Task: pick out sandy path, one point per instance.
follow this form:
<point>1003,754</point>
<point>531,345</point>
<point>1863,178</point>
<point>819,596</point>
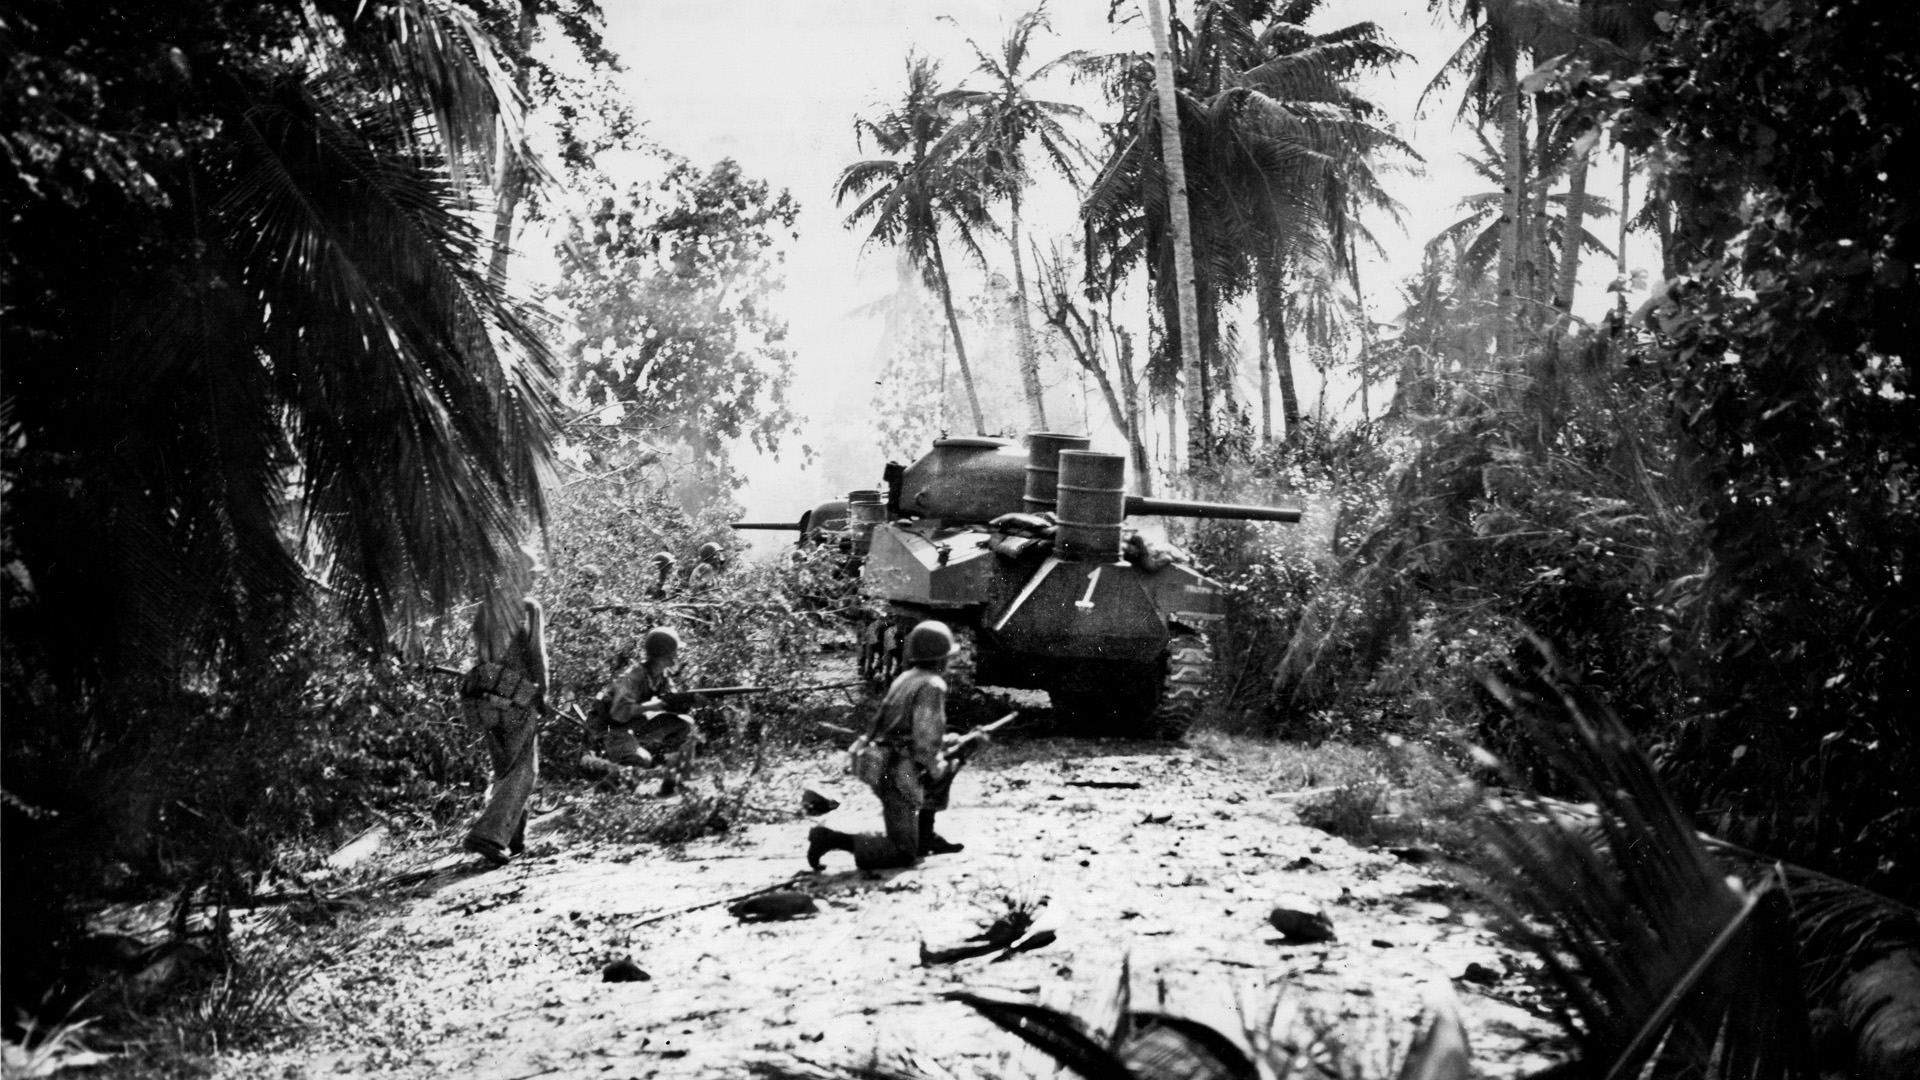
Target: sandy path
<point>499,974</point>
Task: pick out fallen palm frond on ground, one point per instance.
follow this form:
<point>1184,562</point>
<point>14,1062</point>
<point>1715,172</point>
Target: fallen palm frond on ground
<point>1681,955</point>
<point>1676,954</point>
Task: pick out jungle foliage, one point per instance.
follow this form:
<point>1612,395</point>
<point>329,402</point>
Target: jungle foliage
<point>1708,505</point>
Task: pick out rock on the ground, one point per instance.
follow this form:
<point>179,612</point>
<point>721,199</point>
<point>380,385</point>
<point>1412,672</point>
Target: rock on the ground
<point>1301,922</point>
<point>624,970</point>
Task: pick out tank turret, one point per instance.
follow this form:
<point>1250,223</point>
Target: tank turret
<point>824,524</point>
<point>1027,555</point>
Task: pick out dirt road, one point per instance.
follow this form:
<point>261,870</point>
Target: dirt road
<point>500,974</point>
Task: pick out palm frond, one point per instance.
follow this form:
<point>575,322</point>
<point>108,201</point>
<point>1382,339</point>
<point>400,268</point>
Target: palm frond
<point>1667,966</point>
<point>408,374</point>
<point>1060,1036</point>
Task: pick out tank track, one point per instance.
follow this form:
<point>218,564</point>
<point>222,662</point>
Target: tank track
<point>1185,690</point>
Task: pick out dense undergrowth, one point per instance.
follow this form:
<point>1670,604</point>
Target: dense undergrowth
<point>242,778</point>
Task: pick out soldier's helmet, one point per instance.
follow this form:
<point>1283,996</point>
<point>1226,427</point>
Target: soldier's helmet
<point>661,558</point>
<point>930,640</point>
<point>660,642</point>
<point>709,552</point>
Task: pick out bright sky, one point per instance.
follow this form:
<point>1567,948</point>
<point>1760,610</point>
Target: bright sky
<point>775,84</point>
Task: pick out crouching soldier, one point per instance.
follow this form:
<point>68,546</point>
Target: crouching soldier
<point>645,720</point>
<point>909,767</point>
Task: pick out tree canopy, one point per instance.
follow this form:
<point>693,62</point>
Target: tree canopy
<point>670,285</point>
<point>252,350</point>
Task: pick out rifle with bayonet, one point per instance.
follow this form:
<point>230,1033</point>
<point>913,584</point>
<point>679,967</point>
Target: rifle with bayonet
<point>966,745</point>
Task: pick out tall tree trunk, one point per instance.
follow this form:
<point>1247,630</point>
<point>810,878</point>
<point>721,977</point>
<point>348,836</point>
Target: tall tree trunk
<point>1539,275</point>
<point>1620,249</point>
<point>1173,159</point>
<point>959,347</point>
<point>1273,319</point>
<point>1266,377</point>
<point>513,181</point>
<point>1366,323</point>
<point>1023,331</point>
<point>1510,206</point>
<point>1574,227</point>
<point>1130,393</point>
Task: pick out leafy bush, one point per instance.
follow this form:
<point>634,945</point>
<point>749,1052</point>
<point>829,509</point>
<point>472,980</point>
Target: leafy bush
<point>1547,497</point>
<point>758,624</point>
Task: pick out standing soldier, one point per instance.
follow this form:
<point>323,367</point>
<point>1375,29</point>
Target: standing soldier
<point>502,696</point>
<point>910,736</point>
<point>644,717</point>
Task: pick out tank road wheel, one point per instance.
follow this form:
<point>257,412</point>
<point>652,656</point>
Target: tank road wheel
<point>1184,691</point>
<point>962,665</point>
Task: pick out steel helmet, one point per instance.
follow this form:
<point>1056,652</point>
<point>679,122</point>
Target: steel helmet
<point>709,552</point>
<point>661,558</point>
<point>660,642</point>
<point>930,640</point>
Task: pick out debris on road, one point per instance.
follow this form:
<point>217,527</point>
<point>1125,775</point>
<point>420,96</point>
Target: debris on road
<point>774,907</point>
<point>624,970</point>
<point>815,802</point>
<point>1300,923</point>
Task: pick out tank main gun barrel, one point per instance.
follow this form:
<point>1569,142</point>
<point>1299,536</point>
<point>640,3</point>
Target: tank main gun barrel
<point>769,526</point>
<point>1140,504</point>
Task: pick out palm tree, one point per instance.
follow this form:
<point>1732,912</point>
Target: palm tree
<point>918,190</point>
<point>1277,150</point>
<point>1502,31</point>
<point>998,125</point>
<point>1180,223</point>
<point>301,377</point>
<point>1480,234</point>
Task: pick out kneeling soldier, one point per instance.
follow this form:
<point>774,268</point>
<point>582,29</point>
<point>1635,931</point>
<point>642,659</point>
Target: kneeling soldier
<point>910,733</point>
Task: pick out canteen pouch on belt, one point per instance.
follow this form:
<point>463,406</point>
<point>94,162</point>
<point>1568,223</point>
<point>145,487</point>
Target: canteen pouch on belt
<point>867,761</point>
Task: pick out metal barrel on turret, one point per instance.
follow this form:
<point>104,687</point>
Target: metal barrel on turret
<point>1092,500</point>
<point>1043,469</point>
<point>866,509</point>
<point>1137,505</point>
<point>768,526</point>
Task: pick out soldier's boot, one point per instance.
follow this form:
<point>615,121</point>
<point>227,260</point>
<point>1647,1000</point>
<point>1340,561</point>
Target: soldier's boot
<point>821,840</point>
<point>486,849</point>
<point>679,767</point>
<point>932,843</point>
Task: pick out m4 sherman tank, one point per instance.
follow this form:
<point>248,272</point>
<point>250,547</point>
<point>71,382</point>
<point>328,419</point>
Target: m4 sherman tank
<point>824,524</point>
<point>1025,554</point>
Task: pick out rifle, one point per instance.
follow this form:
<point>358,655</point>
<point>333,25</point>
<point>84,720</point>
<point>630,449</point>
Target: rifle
<point>715,692</point>
<point>970,743</point>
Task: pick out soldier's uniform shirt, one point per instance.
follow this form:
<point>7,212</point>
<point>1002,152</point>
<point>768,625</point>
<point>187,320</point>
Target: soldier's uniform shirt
<point>629,730</point>
<point>628,690</point>
<point>912,725</point>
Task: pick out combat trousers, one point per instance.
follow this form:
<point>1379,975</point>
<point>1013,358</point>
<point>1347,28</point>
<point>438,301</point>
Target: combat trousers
<point>903,794</point>
<point>653,738</point>
<point>512,736</point>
